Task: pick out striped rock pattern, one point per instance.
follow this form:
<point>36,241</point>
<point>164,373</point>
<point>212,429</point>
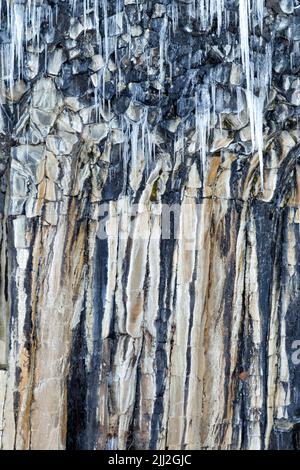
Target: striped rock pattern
<point>119,330</point>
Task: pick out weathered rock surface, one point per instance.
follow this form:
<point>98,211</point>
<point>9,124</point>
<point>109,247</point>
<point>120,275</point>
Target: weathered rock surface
<point>116,330</point>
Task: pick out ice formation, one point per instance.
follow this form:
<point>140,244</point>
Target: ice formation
<point>23,28</point>
<point>23,31</point>
<point>203,107</point>
<point>253,66</point>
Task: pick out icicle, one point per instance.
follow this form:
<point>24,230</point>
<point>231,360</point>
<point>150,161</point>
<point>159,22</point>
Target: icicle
<point>96,19</point>
<point>84,15</point>
<point>17,15</point>
<point>258,112</point>
<point>38,26</point>
<point>74,5</point>
<point>46,56</point>
<point>216,8</point>
<point>244,37</point>
<point>255,104</point>
<point>144,128</point>
<point>150,147</point>
<point>1,120</point>
<point>8,16</point>
<point>105,21</point>
<point>134,143</point>
<point>220,9</point>
<point>207,10</point>
<point>125,152</point>
<point>118,6</point>
<point>203,104</point>
<point>174,16</point>
<point>162,36</point>
<point>213,99</point>
<point>258,10</point>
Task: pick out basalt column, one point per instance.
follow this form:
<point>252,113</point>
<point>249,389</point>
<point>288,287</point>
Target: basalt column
<point>149,224</point>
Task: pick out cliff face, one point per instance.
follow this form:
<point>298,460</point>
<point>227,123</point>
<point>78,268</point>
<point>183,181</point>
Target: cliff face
<point>150,262</point>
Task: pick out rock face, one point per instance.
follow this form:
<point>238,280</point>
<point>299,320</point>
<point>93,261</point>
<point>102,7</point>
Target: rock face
<point>150,224</point>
